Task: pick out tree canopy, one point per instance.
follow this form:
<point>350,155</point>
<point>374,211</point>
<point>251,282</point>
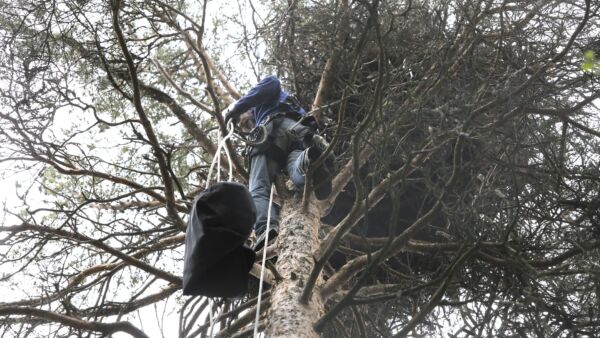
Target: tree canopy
<point>466,135</point>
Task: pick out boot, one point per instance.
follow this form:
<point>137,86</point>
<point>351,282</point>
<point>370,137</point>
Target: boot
<point>318,141</point>
<point>260,240</point>
<point>321,176</point>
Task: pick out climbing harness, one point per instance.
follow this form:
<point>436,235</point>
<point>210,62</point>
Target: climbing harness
<point>260,134</point>
<point>257,136</point>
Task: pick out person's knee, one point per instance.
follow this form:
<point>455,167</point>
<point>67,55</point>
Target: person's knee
<point>259,190</point>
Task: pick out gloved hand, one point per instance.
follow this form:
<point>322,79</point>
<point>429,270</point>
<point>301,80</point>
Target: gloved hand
<point>230,114</point>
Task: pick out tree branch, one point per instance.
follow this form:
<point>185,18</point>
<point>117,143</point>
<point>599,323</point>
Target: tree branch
<point>105,328</point>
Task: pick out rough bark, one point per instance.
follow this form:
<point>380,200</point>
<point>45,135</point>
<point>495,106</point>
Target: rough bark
<point>298,238</point>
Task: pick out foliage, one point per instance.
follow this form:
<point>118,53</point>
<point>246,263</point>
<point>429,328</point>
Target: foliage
<point>465,133</point>
<point>590,64</point>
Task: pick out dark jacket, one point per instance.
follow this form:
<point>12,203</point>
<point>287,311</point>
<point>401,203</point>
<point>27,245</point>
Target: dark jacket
<point>264,99</point>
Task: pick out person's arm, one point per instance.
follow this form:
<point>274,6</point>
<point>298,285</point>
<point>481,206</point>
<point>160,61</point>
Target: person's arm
<point>267,90</point>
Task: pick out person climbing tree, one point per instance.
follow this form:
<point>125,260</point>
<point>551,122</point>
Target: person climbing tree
<point>288,146</point>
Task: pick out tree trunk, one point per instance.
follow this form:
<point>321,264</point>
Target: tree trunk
<point>298,238</point>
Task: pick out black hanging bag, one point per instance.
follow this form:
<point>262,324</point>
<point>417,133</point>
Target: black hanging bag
<point>216,261</point>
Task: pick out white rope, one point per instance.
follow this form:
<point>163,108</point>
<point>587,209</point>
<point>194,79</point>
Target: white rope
<point>264,260</point>
<point>228,155</point>
<point>212,319</point>
<point>218,155</point>
<point>217,158</point>
<point>222,143</point>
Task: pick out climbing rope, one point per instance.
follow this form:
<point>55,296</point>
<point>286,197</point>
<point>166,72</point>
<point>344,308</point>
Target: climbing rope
<point>222,143</point>
<point>211,317</point>
<point>264,260</point>
<point>217,158</point>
